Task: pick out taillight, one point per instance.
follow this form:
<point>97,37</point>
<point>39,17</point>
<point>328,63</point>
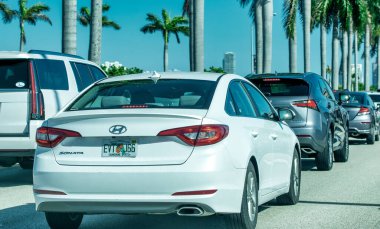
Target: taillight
<point>198,135</point>
<point>363,111</point>
<point>306,103</point>
<point>37,111</point>
<point>51,137</point>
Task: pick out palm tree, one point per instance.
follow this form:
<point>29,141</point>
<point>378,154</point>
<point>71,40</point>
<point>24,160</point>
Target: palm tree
<point>28,15</point>
<point>84,19</point>
<point>289,22</point>
<point>69,26</point>
<point>6,13</point>
<point>94,53</point>
<point>306,11</point>
<point>177,25</point>
<point>262,25</point>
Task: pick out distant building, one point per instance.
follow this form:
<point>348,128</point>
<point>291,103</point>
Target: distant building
<point>229,63</point>
<point>375,77</point>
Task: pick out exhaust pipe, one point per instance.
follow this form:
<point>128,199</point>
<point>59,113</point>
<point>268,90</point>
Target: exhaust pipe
<point>190,211</point>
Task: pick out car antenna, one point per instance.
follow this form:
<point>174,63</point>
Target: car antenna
<point>155,77</point>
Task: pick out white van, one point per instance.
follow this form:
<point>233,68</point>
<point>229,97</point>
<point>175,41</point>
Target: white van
<point>34,86</point>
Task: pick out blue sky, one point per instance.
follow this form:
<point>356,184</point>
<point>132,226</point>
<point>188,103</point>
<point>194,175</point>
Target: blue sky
<point>227,29</point>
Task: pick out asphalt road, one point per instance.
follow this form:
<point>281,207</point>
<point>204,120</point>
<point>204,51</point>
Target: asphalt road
<point>346,197</point>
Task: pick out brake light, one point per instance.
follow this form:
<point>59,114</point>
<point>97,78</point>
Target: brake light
<point>271,80</point>
<point>198,135</point>
<point>38,110</point>
<point>51,137</point>
<point>306,103</point>
<point>363,111</point>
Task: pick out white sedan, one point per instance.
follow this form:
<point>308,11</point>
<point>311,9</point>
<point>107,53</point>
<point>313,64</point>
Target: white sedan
<point>193,144</point>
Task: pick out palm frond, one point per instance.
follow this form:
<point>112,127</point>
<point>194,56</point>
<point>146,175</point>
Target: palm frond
<point>105,7</point>
<point>290,16</point>
<point>186,8</point>
<point>7,13</point>
<point>108,23</point>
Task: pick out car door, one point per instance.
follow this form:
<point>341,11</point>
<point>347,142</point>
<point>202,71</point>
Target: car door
<point>281,152</point>
<point>253,132</point>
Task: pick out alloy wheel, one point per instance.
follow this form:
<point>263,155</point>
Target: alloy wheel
<point>251,197</point>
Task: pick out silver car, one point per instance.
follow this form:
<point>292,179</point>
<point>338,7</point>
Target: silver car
<point>363,116</point>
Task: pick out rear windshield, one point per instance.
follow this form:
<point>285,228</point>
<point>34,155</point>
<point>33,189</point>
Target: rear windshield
<point>14,74</point>
<point>129,94</point>
<point>355,99</point>
<point>282,87</point>
<point>375,98</point>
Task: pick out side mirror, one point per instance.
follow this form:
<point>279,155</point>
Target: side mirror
<point>378,107</point>
<point>286,114</point>
<point>344,98</point>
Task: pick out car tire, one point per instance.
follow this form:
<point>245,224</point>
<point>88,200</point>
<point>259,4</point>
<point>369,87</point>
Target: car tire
<point>371,137</point>
<point>324,158</point>
<point>63,220</point>
<point>26,163</point>
<point>247,218</point>
<point>377,135</point>
<point>293,196</point>
<point>342,154</point>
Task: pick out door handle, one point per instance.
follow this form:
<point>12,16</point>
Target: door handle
<point>254,134</point>
<point>274,137</point>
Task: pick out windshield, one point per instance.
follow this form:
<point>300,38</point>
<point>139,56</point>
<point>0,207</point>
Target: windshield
<point>282,87</point>
<point>129,94</point>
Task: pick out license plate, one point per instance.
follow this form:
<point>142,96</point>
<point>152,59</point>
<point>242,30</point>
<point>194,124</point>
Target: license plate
<point>120,149</point>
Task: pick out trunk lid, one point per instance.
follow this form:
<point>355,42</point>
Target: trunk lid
<point>14,97</point>
<point>352,109</point>
<point>140,138</point>
<point>283,93</point>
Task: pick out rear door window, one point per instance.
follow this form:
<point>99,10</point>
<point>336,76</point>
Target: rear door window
<point>375,98</point>
<point>282,87</point>
<point>97,73</point>
<point>14,74</point>
<point>83,75</point>
<point>262,105</point>
<point>52,74</point>
<point>243,105</point>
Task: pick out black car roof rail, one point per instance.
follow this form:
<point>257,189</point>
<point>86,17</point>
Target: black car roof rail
<point>43,52</point>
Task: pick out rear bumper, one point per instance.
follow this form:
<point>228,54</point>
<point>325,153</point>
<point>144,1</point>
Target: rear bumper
<point>20,146</point>
<point>360,128</point>
<point>308,139</point>
<point>139,189</point>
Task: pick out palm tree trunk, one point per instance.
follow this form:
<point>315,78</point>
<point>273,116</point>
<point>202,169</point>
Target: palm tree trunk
<point>378,62</point>
<point>356,61</point>
<point>367,58</point>
<point>335,55</point>
<point>344,59</point>
<point>166,55</point>
<point>306,34</point>
<point>323,51</point>
<point>191,38</point>
<point>69,26</point>
<point>349,58</point>
<point>259,37</point>
<point>268,23</point>
<point>96,31</point>
<point>22,35</point>
<point>198,35</point>
<point>293,51</point>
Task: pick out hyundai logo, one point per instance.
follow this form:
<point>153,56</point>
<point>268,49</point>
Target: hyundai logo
<point>118,129</point>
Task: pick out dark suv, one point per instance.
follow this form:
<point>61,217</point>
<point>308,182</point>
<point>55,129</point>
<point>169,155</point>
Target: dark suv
<point>320,123</point>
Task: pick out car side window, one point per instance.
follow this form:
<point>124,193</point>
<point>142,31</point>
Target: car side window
<point>323,88</point>
<point>97,73</point>
<point>229,107</point>
<point>329,91</point>
<point>239,97</point>
<point>82,75</point>
<point>264,108</point>
<point>52,74</point>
